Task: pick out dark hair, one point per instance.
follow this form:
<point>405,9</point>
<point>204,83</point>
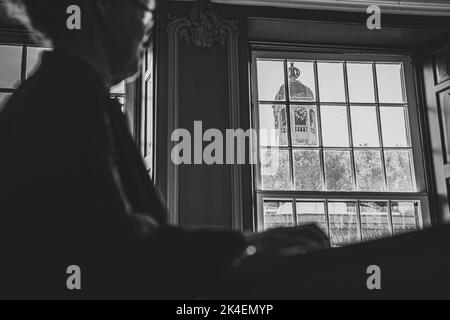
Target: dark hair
<point>48,16</point>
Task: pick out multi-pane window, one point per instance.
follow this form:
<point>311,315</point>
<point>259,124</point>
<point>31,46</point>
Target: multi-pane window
<point>17,63</point>
<point>335,145</point>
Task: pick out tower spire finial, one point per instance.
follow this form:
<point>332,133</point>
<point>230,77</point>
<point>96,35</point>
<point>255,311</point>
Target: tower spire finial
<point>294,73</point>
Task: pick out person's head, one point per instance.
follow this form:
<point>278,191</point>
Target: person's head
<point>120,28</point>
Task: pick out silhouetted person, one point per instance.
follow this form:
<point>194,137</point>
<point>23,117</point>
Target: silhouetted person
<point>73,186</point>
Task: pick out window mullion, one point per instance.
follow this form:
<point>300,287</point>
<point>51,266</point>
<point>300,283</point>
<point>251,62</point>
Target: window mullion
<point>391,218</point>
<point>23,71</point>
<point>380,131</point>
<point>327,219</point>
<point>358,219</point>
<point>349,123</point>
<point>319,126</point>
<point>294,211</point>
<point>288,118</point>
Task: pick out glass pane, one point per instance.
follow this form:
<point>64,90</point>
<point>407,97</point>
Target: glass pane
<point>343,223</point>
<point>360,83</point>
<point>275,169</point>
<point>374,220</point>
<point>149,59</point>
<point>405,216</point>
<point>34,59</point>
<point>304,126</point>
<point>334,126</point>
<point>273,125</point>
<point>3,99</point>
<point>391,87</point>
<point>338,172</point>
<point>312,213</point>
<point>302,84</point>
<point>307,170</point>
<point>149,124</point>
<point>399,171</point>
<point>10,66</point>
<point>119,88</point>
<point>278,214</point>
<point>369,171</point>
<point>331,82</point>
<point>365,127</point>
<point>393,126</point>
<point>271,80</point>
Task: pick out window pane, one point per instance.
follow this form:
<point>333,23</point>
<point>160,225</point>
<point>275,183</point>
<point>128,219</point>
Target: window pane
<point>119,88</point>
<point>271,81</point>
<point>404,216</point>
<point>275,169</point>
<point>369,171</point>
<point>365,127</point>
<point>360,83</point>
<point>3,99</point>
<point>374,220</point>
<point>312,213</point>
<point>391,88</point>
<point>334,126</point>
<point>331,82</point>
<point>302,84</point>
<point>278,214</point>
<point>304,126</point>
<point>10,66</point>
<point>34,59</point>
<point>343,223</point>
<point>273,125</point>
<point>307,170</point>
<point>338,172</point>
<point>399,171</point>
<point>393,125</point>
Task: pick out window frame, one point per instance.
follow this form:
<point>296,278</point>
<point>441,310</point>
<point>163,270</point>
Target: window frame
<point>147,111</point>
<point>23,62</point>
<point>414,121</point>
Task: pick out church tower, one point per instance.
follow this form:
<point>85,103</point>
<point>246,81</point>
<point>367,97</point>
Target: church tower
<point>303,116</point>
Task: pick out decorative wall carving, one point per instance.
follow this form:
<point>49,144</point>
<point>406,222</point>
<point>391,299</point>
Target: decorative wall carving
<point>205,28</point>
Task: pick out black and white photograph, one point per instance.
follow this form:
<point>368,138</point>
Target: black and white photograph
<point>232,157</point>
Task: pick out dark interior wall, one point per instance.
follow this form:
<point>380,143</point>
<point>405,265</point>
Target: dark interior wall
<point>11,29</point>
<point>205,198</point>
<point>205,192</point>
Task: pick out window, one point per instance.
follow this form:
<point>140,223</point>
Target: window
<point>335,145</point>
<point>17,63</point>
<point>148,111</point>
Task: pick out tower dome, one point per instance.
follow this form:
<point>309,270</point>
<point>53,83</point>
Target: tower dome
<point>297,90</point>
<point>303,117</point>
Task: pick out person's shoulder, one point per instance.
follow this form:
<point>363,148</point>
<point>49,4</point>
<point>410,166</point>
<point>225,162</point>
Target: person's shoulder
<point>45,97</point>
